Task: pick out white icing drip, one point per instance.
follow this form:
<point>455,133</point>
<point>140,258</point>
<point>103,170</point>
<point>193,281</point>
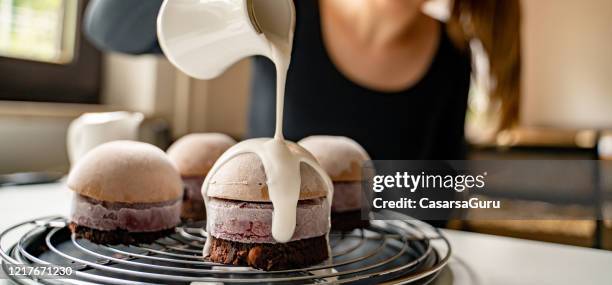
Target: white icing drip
<point>281,166</point>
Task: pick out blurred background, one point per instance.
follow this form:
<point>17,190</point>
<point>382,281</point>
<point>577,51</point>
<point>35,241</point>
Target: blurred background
<point>50,74</point>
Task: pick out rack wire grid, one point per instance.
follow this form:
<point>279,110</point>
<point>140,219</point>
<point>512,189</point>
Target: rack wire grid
<point>387,252</point>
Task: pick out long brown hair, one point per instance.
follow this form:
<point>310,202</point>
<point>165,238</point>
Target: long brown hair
<point>496,24</point>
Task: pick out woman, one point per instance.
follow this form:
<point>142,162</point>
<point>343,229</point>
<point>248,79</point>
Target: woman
<point>378,71</point>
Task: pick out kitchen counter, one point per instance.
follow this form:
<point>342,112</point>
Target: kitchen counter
<point>477,258</point>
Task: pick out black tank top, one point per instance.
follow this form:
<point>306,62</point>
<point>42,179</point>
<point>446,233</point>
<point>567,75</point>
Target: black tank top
<point>425,121</point>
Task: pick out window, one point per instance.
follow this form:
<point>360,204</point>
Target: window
<point>43,55</point>
<point>40,30</point>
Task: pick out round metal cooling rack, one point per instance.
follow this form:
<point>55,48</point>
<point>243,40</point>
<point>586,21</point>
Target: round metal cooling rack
<point>388,252</point>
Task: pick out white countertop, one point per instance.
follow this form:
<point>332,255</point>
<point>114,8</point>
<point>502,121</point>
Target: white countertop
<point>477,259</point>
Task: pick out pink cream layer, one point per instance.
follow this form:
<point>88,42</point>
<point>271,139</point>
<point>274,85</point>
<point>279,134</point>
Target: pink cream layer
<point>347,196</point>
<point>248,222</point>
<point>140,217</point>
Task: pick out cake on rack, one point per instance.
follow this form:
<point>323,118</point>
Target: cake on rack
<point>125,193</point>
<point>343,159</point>
<point>240,216</point>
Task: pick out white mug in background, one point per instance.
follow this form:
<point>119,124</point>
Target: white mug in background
<point>604,146</point>
<point>203,37</point>
<point>93,129</point>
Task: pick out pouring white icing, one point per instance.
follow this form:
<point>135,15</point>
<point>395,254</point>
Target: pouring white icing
<point>281,165</point>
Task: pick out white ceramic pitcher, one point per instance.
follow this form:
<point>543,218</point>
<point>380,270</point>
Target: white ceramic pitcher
<point>204,37</point>
<point>93,129</point>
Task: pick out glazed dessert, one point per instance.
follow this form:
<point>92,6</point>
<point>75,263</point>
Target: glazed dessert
<point>193,156</point>
<point>342,158</point>
<point>241,214</point>
<point>125,193</point>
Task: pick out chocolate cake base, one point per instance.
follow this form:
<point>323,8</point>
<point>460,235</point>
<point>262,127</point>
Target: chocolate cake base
<point>347,221</point>
<point>193,204</point>
<point>117,236</point>
<point>193,211</point>
<point>278,256</point>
